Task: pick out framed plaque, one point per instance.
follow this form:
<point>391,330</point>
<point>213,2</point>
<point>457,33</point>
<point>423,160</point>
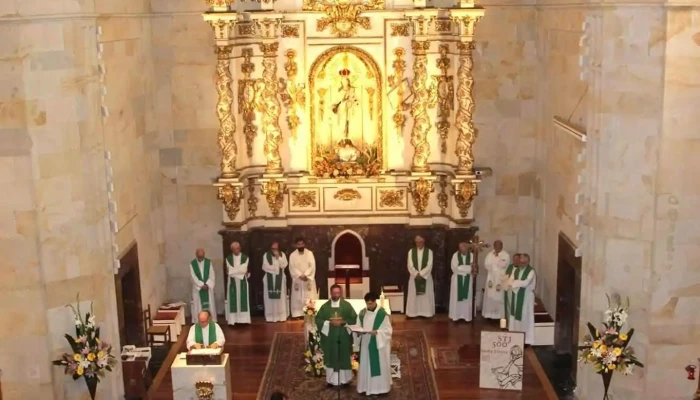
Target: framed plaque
<point>501,360</point>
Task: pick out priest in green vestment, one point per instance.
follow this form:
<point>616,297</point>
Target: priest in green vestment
<point>202,274</point>
<point>332,321</point>
<point>374,374</point>
<point>237,298</point>
<point>275,285</point>
<point>462,284</point>
<point>205,334</point>
<point>421,294</point>
<point>522,280</point>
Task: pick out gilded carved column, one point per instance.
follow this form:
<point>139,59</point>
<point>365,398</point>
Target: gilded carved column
<point>466,133</point>
<point>425,97</point>
<point>270,107</point>
<point>227,127</point>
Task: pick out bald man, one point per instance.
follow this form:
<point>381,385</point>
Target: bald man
<point>202,274</point>
<point>205,333</point>
<point>496,263</point>
<point>421,294</point>
<point>238,309</point>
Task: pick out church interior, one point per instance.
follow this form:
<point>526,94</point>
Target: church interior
<point>135,132</point>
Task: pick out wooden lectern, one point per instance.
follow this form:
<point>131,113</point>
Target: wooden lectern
<point>347,269</point>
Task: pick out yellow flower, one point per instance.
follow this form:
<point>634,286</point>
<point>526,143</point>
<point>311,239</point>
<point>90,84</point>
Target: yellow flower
<point>79,371</point>
<point>596,344</point>
<point>308,353</point>
<point>603,348</point>
<point>101,354</point>
<point>77,357</point>
<point>617,351</point>
<point>591,357</point>
<point>623,336</point>
<point>91,357</point>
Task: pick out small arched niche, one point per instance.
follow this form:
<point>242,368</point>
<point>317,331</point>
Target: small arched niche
<point>348,248</point>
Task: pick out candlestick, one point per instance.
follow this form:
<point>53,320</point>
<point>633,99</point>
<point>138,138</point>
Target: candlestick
<point>504,325</point>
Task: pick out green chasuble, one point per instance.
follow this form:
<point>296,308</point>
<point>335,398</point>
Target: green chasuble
<point>203,277</point>
<point>374,365</point>
<point>517,298</point>
<point>463,280</point>
<point>233,296</point>
<point>274,282</point>
<point>199,338</point>
<point>336,355</point>
<point>420,282</point>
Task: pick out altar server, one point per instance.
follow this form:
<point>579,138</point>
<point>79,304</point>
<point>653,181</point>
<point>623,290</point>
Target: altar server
<point>205,334</point>
<point>461,293</point>
<point>496,263</point>
<point>238,310</point>
<point>332,321</point>
<point>302,267</point>
<point>521,285</point>
<point>202,274</point>
<point>421,295</point>
<point>275,285</point>
<point>374,374</point>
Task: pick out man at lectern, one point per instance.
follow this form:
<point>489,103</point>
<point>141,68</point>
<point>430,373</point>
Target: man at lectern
<point>206,334</point>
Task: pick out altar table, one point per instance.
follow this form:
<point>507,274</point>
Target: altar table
<point>185,377</point>
<point>357,304</point>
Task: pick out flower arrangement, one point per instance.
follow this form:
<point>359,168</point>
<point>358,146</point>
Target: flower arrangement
<point>355,362</point>
<point>609,350</point>
<point>91,357</point>
<point>313,357</point>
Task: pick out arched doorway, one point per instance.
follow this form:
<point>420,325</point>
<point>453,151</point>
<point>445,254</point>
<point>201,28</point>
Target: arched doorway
<point>349,264</point>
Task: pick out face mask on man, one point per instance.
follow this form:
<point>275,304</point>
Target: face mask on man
<point>301,249</point>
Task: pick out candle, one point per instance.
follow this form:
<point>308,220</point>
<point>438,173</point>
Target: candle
<point>503,323</point>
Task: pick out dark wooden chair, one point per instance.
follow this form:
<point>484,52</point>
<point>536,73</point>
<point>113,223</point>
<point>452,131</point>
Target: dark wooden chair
<point>155,334</point>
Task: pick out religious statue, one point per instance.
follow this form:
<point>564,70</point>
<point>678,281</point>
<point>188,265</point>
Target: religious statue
<point>346,151</point>
<point>347,109</point>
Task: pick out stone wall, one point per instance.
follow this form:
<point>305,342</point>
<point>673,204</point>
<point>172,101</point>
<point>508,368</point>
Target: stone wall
<point>54,220</point>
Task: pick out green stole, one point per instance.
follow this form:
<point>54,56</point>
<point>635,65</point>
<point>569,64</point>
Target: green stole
<point>374,365</point>
<point>463,280</point>
<point>199,338</point>
<point>232,295</point>
<point>517,300</point>
<point>274,282</point>
<point>337,345</point>
<point>420,282</point>
<point>203,293</point>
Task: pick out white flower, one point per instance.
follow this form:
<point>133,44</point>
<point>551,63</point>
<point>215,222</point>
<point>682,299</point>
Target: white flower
<point>78,322</point>
<point>91,321</point>
<point>596,352</point>
<point>621,317</point>
<point>610,358</point>
<point>84,363</point>
<point>628,369</point>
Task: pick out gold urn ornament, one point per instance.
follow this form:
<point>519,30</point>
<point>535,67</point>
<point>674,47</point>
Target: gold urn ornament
<point>205,390</point>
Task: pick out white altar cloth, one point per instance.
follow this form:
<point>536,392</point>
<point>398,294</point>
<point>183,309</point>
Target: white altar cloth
<point>185,377</point>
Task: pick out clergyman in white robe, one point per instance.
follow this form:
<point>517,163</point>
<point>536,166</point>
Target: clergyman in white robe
<point>238,296</point>
<point>204,274</point>
<point>420,304</point>
<point>302,264</point>
<point>205,333</point>
<point>275,285</point>
<point>496,263</point>
<point>521,296</point>
<point>374,380</point>
<point>461,286</point>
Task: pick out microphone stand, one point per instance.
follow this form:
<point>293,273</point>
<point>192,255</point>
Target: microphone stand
<point>338,367</point>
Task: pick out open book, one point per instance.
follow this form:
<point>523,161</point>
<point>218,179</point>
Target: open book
<point>206,352</point>
<point>358,329</point>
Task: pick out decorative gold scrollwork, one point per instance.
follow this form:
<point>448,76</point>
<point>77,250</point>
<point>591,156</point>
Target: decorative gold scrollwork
<point>442,197</point>
<point>246,100</point>
<point>425,97</point>
<point>399,29</point>
<point>293,95</point>
<point>290,31</point>
<point>347,195</point>
<point>205,390</point>
<point>273,191</point>
<point>420,191</point>
<point>227,128</point>
<point>304,198</point>
<point>391,198</point>
<point>446,96</point>
<point>396,82</point>
<point>342,16</point>
<point>268,105</point>
<point>466,132</point>
<point>252,199</point>
<point>231,197</point>
<point>464,195</point>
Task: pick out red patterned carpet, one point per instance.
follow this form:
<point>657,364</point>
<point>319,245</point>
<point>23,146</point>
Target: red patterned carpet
<point>285,371</point>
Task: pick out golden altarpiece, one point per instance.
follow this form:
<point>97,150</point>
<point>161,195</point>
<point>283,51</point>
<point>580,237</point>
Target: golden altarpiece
<point>345,112</point>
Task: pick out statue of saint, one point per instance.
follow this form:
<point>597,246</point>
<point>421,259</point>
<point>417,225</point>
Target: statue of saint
<point>346,151</point>
<point>347,111</point>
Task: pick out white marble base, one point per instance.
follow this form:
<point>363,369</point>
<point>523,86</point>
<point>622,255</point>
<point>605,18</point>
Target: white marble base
<point>186,376</point>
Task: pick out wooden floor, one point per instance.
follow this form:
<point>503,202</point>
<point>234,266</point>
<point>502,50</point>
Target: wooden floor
<point>249,347</point>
